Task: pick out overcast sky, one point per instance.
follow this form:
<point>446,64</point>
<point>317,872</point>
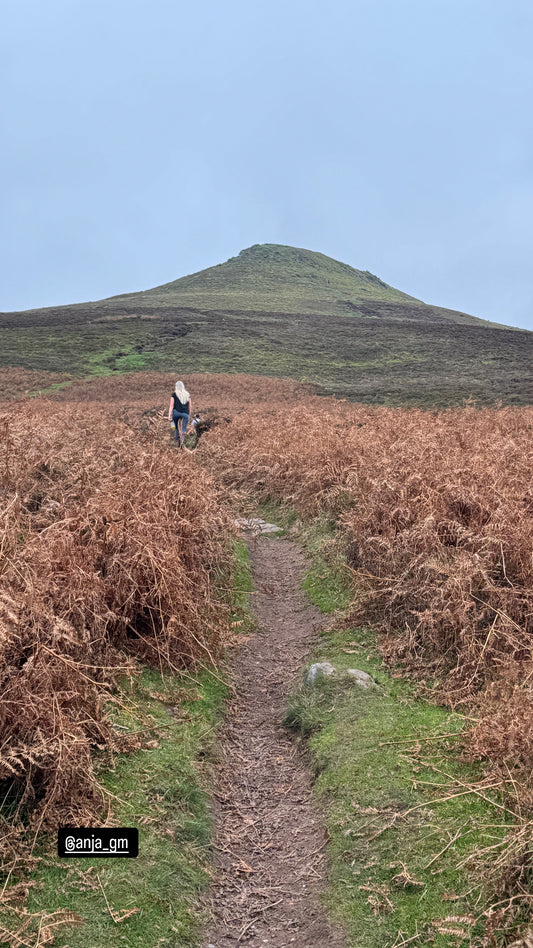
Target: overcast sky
<point>147,139</point>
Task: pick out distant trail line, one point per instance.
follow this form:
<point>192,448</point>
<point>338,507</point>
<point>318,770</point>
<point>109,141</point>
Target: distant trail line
<point>270,860</point>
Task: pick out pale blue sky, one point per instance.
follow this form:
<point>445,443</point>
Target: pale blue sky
<point>147,139</point>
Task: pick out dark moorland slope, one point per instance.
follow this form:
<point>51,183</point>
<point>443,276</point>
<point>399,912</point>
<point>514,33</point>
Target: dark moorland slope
<point>285,312</point>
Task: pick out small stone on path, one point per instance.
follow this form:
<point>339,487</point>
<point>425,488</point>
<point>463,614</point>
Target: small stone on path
<point>327,670</point>
<point>257,525</point>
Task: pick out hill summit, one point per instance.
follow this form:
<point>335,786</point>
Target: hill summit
<point>274,278</point>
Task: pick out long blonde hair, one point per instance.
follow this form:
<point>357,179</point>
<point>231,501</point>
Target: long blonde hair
<point>182,393</point>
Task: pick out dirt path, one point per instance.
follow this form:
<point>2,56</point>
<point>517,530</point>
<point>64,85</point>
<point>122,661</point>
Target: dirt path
<point>270,845</point>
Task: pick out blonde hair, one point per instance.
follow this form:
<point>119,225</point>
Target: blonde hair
<point>182,393</point>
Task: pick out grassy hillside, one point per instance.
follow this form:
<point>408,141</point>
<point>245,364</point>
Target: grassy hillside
<point>283,312</point>
<point>274,278</point>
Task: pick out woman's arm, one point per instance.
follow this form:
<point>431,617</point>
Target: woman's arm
<point>170,410</point>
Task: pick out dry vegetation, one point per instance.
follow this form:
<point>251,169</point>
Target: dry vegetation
<point>225,394</point>
<point>19,382</point>
<point>436,516</point>
<point>111,545</point>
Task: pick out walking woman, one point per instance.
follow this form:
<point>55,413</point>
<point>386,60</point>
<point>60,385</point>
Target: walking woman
<point>179,410</point>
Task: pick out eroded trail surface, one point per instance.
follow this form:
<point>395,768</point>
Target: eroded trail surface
<point>270,845</point>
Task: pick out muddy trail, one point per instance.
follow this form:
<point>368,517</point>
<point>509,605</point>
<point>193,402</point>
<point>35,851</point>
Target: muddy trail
<point>270,862</point>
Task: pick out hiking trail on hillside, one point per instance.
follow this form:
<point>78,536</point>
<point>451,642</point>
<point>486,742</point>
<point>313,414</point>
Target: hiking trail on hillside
<point>270,845</point>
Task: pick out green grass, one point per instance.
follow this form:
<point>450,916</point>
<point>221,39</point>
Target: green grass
<point>73,343</point>
<point>124,359</point>
<point>379,772</point>
<point>50,389</point>
<point>241,615</point>
<point>326,579</point>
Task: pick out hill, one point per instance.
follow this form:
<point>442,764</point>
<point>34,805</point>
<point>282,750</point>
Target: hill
<point>272,278</point>
<point>286,312</point>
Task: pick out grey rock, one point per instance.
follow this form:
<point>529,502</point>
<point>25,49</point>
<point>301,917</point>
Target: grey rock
<point>270,528</point>
<point>361,678</point>
<point>257,525</point>
<point>324,669</point>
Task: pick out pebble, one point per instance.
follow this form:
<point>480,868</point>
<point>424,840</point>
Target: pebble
<point>257,525</point>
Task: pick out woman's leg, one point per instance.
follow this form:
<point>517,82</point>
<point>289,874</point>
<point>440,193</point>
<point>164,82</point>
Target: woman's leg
<point>176,418</point>
<point>184,423</point>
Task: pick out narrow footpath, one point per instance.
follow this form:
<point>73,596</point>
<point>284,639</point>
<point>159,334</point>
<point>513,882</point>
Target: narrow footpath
<point>270,866</point>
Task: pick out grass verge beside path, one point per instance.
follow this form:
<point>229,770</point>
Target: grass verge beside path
<point>154,900</point>
<point>382,770</point>
<point>403,863</point>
